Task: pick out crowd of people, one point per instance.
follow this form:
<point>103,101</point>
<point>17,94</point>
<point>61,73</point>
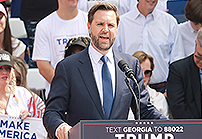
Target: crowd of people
<point>77,45</point>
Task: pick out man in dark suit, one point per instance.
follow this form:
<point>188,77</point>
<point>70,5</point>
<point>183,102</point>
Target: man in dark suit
<point>184,84</point>
<point>77,88</point>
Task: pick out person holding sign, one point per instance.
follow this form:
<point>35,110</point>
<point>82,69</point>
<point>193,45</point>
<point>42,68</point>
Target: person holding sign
<point>14,100</point>
<point>20,69</point>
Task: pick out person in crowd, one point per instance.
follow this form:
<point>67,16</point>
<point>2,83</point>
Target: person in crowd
<point>123,6</point>
<point>156,98</point>
<point>20,69</point>
<point>52,35</point>
<point>76,45</point>
<point>184,84</point>
<point>15,8</point>
<point>14,46</point>
<point>154,32</point>
<point>3,2</point>
<point>89,85</point>
<point>190,28</point>
<point>31,12</point>
<point>14,100</point>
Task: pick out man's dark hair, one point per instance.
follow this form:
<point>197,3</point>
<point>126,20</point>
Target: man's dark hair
<point>193,11</point>
<point>102,6</point>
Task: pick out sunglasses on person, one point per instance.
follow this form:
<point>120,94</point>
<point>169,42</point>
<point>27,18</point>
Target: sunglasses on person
<point>148,73</point>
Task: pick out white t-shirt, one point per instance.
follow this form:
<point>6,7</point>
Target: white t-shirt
<point>188,37</point>
<point>52,35</point>
<point>18,47</point>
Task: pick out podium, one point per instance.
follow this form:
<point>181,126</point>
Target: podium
<point>133,129</point>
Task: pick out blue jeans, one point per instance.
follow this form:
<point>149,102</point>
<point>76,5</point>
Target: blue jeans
<point>162,89</point>
<point>30,29</point>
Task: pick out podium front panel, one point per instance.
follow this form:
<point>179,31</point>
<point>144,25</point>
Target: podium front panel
<point>142,129</point>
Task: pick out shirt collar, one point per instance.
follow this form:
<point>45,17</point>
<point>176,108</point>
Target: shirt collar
<point>136,13</point>
<point>200,71</point>
<point>95,55</point>
<point>192,30</point>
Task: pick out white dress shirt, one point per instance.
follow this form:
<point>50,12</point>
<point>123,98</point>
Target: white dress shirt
<point>188,37</point>
<point>158,35</point>
<point>95,57</point>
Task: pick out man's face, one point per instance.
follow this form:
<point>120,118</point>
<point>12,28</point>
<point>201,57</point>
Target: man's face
<point>195,26</point>
<point>198,55</point>
<point>147,6</point>
<point>103,30</point>
<point>146,69</point>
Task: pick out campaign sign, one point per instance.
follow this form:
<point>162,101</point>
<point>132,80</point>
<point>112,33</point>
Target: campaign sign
<point>13,128</point>
<point>141,129</point>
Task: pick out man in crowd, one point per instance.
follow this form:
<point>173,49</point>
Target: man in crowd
<point>184,84</point>
<point>52,35</point>
<point>156,33</point>
<point>189,28</point>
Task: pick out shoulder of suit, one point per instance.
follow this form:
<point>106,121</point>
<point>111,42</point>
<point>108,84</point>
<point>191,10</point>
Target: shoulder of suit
<point>184,61</point>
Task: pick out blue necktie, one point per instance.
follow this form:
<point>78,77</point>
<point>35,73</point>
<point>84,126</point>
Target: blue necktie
<point>107,87</point>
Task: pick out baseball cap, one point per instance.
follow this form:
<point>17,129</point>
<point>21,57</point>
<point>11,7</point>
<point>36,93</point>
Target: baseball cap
<point>5,59</point>
<point>3,10</point>
<point>81,41</point>
<point>78,42</point>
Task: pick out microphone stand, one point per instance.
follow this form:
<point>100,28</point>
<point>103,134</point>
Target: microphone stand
<point>137,104</point>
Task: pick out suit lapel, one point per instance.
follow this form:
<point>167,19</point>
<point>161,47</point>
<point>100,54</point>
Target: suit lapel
<point>195,83</point>
<point>87,75</point>
<point>118,78</point>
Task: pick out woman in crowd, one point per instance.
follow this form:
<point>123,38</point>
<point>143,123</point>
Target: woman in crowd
<point>20,69</point>
<point>156,98</point>
<point>14,46</point>
<point>14,100</point>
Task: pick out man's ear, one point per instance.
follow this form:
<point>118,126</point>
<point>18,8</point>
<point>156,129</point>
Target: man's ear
<point>89,27</point>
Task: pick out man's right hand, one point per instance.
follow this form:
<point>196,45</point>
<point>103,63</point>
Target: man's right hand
<point>62,132</point>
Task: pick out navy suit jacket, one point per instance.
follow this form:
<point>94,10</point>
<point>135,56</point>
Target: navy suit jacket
<point>74,91</point>
<point>184,89</point>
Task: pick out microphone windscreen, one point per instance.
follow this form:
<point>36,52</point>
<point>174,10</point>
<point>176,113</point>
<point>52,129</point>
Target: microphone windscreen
<point>122,65</point>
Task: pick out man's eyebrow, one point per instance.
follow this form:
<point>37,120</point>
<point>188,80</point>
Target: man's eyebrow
<point>199,54</point>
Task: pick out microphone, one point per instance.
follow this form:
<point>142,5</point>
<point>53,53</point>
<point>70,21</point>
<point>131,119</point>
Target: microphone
<point>130,74</point>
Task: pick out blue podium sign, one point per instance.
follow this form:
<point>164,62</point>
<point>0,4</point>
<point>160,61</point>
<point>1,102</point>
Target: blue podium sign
<point>142,129</point>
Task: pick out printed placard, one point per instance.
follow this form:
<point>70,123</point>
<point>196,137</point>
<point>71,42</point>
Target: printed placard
<point>13,128</point>
<point>140,129</point>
